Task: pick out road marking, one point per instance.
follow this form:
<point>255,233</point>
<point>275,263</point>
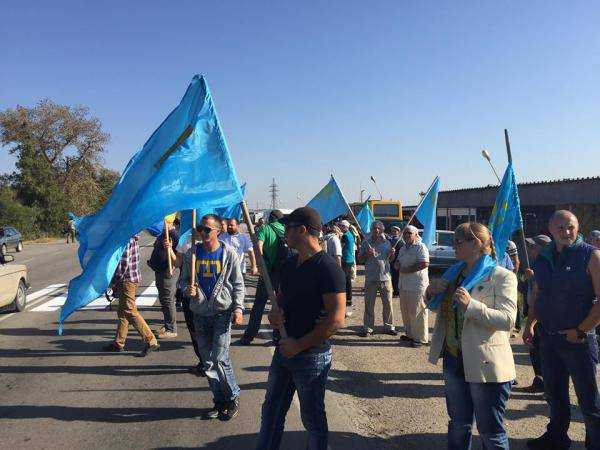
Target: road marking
<point>146,299</point>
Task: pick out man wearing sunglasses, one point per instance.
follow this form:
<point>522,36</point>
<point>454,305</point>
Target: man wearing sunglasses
<point>312,301</point>
<point>217,301</point>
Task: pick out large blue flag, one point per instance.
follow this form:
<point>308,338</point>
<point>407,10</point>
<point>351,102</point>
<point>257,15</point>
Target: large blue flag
<point>330,202</point>
<point>184,164</point>
<point>506,215</point>
<point>426,212</point>
<point>365,217</point>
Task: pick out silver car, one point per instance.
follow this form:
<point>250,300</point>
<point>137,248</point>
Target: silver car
<point>441,252</point>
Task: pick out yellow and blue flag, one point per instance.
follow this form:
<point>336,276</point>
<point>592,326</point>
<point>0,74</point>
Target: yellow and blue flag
<point>365,217</point>
<point>506,215</point>
<point>330,202</point>
<point>426,212</point>
<point>185,163</point>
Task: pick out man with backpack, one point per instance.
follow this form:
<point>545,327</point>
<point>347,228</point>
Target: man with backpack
<point>271,243</point>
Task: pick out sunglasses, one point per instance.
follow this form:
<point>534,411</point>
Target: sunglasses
<point>203,229</point>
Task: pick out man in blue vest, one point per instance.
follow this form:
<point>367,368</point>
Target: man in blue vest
<point>567,284</point>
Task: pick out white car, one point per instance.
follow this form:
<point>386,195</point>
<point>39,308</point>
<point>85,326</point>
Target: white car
<point>441,252</point>
<point>13,284</point>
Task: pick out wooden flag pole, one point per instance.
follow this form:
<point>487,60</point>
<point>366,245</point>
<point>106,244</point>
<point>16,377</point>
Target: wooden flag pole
<point>168,238</point>
<point>193,258</point>
<point>262,265</point>
<point>520,232</point>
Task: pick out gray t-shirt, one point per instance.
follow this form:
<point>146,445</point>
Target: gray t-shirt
<point>377,268</point>
<point>333,245</point>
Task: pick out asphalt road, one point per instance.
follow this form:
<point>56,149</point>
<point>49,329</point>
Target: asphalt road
<point>63,392</point>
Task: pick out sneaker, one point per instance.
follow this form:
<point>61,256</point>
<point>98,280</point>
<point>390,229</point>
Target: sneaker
<point>166,334</point>
<point>112,347</point>
<point>198,370</point>
<point>537,386</point>
<point>545,442</point>
<point>161,330</point>
<point>365,333</point>
<point>405,338</point>
<point>148,349</point>
<point>230,409</point>
<point>415,344</point>
<point>349,312</point>
<point>392,332</point>
<point>214,412</point>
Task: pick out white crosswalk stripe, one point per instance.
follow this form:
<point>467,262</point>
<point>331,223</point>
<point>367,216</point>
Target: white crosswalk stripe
<point>54,296</point>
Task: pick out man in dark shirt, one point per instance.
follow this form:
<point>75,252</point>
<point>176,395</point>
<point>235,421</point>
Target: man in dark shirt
<point>165,281</point>
<point>312,304</point>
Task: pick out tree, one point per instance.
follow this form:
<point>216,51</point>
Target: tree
<point>59,161</point>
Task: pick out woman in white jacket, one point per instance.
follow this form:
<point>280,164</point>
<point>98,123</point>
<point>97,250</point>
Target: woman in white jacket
<point>472,336</point>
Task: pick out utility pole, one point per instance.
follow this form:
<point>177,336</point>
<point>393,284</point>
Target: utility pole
<point>274,191</point>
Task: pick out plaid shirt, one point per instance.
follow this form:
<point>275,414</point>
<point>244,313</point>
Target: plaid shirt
<point>128,268</point>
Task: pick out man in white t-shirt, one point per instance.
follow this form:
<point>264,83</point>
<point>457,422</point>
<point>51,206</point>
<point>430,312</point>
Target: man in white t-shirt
<point>241,243</point>
<point>333,246</point>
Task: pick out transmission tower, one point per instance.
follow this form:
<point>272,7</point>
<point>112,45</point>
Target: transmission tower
<point>274,191</point>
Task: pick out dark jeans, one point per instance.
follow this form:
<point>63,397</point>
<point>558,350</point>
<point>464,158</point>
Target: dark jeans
<point>348,272</point>
<point>258,308</point>
<point>166,286</point>
<point>534,352</point>
<point>395,277</point>
<point>189,321</point>
<point>213,334</point>
<point>484,402</point>
<point>561,359</point>
<point>305,373</point>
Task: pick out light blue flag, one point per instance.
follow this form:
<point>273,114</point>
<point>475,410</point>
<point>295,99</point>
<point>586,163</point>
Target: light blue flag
<point>330,202</point>
<point>365,217</point>
<point>480,271</point>
<point>426,212</point>
<point>506,215</point>
<point>184,164</point>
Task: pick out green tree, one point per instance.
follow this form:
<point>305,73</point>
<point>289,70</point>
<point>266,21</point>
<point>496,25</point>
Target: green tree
<point>59,161</point>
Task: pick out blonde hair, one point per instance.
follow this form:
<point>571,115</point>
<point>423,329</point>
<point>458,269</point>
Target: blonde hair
<point>471,231</point>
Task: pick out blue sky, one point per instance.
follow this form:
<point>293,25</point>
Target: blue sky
<point>403,91</point>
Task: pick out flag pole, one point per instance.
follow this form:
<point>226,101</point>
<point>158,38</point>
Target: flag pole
<point>168,239</point>
<point>262,265</point>
<point>193,258</point>
<point>520,231</point>
<point>419,205</point>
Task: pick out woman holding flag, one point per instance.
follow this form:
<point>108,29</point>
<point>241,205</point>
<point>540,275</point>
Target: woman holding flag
<point>477,302</point>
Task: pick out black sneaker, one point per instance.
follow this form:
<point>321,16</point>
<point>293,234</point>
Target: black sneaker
<point>537,386</point>
<point>148,349</point>
<point>545,442</point>
<point>244,342</point>
<point>230,409</point>
<point>392,332</point>
<point>214,412</point>
<point>112,347</point>
<point>365,333</point>
<point>405,338</point>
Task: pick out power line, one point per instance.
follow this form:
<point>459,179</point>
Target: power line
<point>274,191</point>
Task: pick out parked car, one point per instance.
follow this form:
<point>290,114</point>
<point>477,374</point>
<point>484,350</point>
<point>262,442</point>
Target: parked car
<point>441,252</point>
<point>9,237</point>
<point>13,284</point>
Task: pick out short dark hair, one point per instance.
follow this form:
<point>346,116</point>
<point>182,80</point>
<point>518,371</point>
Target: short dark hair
<point>211,216</point>
<point>275,215</point>
<point>233,219</point>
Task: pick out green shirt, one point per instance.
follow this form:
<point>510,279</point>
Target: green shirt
<point>454,318</point>
<point>268,235</point>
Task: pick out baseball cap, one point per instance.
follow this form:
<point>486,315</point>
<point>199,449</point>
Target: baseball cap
<point>307,216</point>
<point>594,234</point>
<point>540,240</point>
<point>511,248</point>
<point>345,223</point>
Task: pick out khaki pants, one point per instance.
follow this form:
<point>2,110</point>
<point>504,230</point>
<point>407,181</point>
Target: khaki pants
<point>127,313</point>
<point>372,288</point>
<point>415,315</point>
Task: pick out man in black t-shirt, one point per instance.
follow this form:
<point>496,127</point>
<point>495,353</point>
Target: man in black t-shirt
<point>312,306</point>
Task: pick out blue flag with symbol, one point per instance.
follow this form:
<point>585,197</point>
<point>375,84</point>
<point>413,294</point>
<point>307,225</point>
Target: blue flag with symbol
<point>330,202</point>
<point>506,215</point>
<point>365,217</point>
<point>426,212</point>
<point>185,163</point>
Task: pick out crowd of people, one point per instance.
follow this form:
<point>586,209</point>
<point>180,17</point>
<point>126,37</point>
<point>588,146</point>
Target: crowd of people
<point>479,303</point>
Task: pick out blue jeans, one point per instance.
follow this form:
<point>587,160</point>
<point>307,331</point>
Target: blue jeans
<point>213,336</point>
<point>561,359</point>
<point>484,402</point>
<point>258,307</point>
<point>306,373</point>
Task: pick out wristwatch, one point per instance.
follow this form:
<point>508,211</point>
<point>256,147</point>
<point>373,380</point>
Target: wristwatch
<point>581,334</point>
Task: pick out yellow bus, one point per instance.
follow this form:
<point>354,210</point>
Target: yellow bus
<point>387,211</point>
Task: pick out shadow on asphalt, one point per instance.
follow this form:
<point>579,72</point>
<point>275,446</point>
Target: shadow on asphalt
<point>296,440</point>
